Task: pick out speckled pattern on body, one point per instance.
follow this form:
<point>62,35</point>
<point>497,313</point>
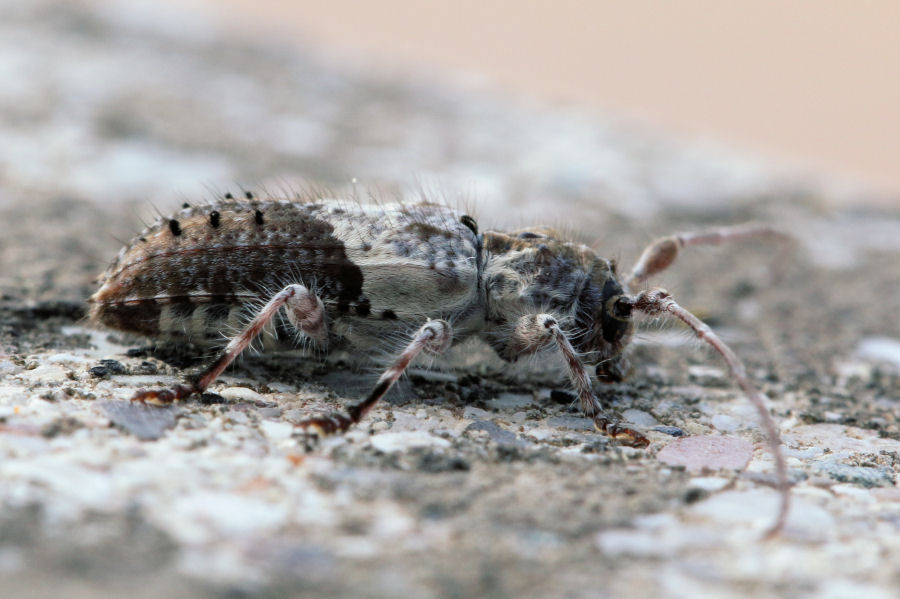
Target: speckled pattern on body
<point>202,272</point>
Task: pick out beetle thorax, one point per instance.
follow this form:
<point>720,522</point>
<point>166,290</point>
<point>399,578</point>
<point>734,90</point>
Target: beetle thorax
<point>529,272</point>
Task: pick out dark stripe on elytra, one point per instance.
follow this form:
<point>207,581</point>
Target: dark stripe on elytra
<point>258,217</point>
<point>141,318</point>
<point>175,227</point>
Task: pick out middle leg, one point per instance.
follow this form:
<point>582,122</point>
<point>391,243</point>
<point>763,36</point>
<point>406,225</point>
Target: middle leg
<point>434,337</point>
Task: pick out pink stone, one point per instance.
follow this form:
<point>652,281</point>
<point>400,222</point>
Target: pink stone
<point>707,453</point>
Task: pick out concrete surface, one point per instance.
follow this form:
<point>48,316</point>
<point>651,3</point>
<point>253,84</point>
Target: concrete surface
<point>479,481</point>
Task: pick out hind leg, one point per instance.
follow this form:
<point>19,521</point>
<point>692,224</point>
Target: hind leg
<point>304,310</point>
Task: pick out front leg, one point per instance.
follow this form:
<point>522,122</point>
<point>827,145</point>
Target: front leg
<point>537,330</point>
<point>304,310</point>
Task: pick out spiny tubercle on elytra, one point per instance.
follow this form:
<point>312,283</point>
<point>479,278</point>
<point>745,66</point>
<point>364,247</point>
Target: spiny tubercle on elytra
<point>346,275</point>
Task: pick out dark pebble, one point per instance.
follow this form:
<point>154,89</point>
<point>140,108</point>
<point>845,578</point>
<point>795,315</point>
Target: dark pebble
<point>694,495</point>
<point>99,372</point>
<point>113,366</point>
<point>673,431</point>
<point>212,398</point>
<point>562,397</point>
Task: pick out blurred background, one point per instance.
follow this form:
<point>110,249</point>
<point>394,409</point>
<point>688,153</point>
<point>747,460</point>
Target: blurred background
<point>814,84</point>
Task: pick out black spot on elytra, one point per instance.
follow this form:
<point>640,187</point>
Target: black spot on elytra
<point>389,315</point>
<point>185,205</point>
<point>364,308</point>
<point>215,219</point>
<point>142,239</point>
<point>142,317</point>
<point>469,222</point>
<point>530,235</point>
<point>248,195</point>
<point>228,196</point>
<point>258,217</point>
<point>175,227</point>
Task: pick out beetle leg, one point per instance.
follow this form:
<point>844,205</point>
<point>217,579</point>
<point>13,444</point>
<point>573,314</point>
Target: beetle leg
<point>656,302</point>
<point>304,310</point>
<point>537,330</point>
<point>434,337</point>
<point>660,254</point>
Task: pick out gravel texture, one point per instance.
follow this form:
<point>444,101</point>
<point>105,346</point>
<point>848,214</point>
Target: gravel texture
<point>482,480</point>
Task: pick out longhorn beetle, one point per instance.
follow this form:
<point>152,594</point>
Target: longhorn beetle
<point>341,274</point>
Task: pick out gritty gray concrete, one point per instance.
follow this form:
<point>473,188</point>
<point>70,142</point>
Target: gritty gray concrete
<point>481,480</point>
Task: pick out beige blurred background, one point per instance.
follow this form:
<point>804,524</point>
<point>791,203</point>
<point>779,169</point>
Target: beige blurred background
<point>815,83</point>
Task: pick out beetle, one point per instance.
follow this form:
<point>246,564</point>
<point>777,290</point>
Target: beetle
<point>339,274</point>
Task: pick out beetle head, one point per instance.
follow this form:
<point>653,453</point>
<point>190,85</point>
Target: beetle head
<point>604,316</point>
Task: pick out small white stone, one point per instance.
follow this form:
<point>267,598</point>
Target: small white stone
<point>207,516</point>
<point>275,430</point>
<point>45,373</point>
<point>880,349</point>
<point>68,359</point>
<point>279,387</point>
<point>510,401</point>
<point>394,442</point>
<point>473,413</point>
<point>724,423</point>
<point>655,521</point>
<point>637,543</point>
<point>709,483</point>
<point>640,418</point>
<point>706,374</point>
<point>240,394</point>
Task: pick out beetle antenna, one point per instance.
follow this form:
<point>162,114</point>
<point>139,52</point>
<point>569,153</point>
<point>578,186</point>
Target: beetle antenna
<point>656,302</point>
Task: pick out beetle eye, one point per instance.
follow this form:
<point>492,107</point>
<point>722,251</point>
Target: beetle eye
<point>622,307</point>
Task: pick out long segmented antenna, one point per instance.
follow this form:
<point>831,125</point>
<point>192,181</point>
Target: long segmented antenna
<point>656,302</point>
<point>660,254</point>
